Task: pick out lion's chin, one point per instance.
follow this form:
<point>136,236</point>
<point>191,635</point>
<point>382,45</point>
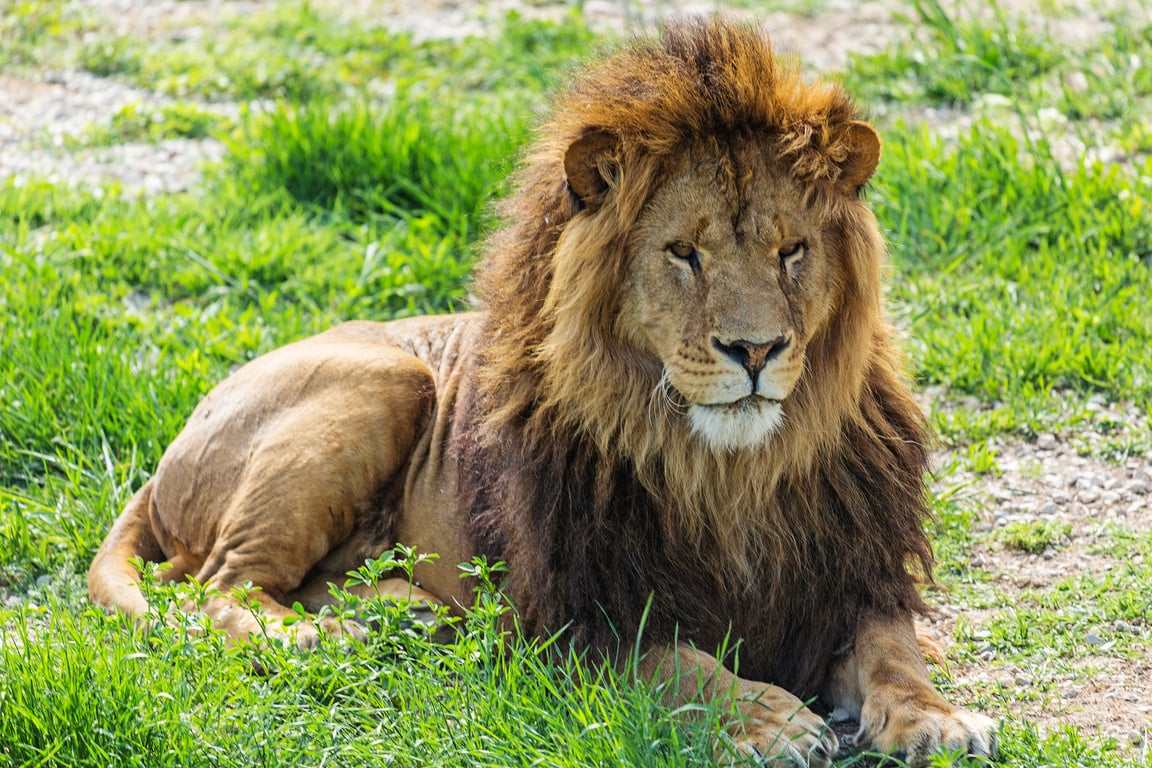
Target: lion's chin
<point>746,423</point>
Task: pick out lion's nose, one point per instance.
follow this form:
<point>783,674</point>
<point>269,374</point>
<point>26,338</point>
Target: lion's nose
<point>753,355</point>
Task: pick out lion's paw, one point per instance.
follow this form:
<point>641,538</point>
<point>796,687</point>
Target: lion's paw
<point>912,728</point>
<point>800,739</point>
<point>308,633</point>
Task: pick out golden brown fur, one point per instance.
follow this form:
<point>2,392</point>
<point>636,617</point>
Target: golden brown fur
<point>679,417</point>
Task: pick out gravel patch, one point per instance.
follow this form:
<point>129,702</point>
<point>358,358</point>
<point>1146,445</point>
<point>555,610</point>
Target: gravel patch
<point>41,115</point>
<point>1049,480</point>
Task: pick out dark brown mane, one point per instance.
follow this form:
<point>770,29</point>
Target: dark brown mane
<point>598,505</point>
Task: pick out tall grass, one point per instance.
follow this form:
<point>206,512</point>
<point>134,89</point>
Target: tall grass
<point>1041,267</point>
<point>963,51</point>
<point>407,158</point>
<point>174,694</point>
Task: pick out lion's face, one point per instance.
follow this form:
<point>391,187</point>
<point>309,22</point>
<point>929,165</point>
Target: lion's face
<point>728,282</point>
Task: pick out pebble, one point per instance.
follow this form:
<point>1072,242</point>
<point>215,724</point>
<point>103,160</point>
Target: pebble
<point>1076,81</point>
<point>1093,639</point>
<point>1046,442</point>
<point>1089,496</point>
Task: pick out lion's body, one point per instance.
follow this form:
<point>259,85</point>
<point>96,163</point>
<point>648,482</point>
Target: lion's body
<point>679,408</point>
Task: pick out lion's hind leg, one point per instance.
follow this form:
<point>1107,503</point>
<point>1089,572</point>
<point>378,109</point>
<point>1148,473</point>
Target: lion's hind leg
<point>113,580</point>
<point>299,454</point>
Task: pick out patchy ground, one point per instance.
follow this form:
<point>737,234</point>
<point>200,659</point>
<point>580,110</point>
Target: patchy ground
<point>1049,479</point>
<point>1095,502</point>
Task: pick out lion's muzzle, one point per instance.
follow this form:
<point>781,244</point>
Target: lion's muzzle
<point>752,355</point>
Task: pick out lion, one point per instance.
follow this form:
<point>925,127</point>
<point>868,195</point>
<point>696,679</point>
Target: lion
<point>679,416</point>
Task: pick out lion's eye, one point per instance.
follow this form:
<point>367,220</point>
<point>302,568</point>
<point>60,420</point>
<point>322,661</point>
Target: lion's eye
<point>687,253</point>
<point>790,253</point>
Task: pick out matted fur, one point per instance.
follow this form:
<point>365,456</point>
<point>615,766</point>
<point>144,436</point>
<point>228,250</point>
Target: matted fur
<point>605,505</point>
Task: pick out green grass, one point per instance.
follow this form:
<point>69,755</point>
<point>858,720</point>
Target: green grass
<point>407,159</point>
<point>27,29</point>
<point>295,52</point>
<point>360,186</point>
<point>139,123</point>
<point>1040,269</point>
<point>1035,537</point>
<point>964,52</point>
<point>175,695</point>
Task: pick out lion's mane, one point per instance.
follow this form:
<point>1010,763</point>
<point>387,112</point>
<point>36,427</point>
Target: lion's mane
<point>609,512</point>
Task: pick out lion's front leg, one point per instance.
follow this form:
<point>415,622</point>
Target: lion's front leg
<point>884,681</point>
<point>771,724</point>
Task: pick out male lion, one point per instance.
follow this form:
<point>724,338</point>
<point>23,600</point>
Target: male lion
<point>680,407</point>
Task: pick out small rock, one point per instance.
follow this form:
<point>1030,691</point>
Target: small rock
<point>1076,81</point>
<point>1046,442</point>
<point>1138,487</point>
<point>1093,639</point>
<point>1122,626</point>
<point>1084,482</point>
<point>1089,496</point>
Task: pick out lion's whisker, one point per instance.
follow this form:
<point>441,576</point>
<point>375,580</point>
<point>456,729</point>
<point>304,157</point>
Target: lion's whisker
<point>662,396</point>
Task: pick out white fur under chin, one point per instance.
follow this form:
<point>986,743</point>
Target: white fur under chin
<point>745,424</point>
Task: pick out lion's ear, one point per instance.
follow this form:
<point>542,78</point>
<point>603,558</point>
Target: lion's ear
<point>863,155</point>
<point>591,165</point>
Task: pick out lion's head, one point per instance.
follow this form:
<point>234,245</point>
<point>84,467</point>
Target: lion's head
<point>689,236</point>
<point>732,276</point>
<point>685,324</point>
